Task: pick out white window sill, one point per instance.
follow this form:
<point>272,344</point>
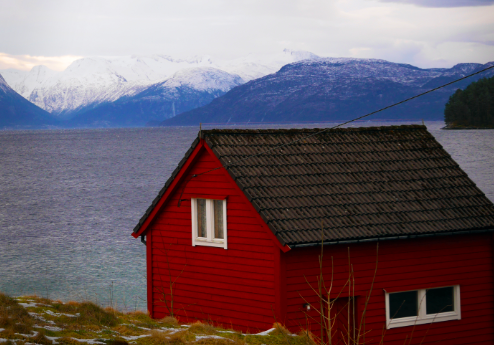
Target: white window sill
<point>201,241</point>
<point>433,318</point>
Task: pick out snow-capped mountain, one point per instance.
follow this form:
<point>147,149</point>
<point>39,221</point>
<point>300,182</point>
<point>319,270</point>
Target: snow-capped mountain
<point>90,82</point>
<point>17,112</point>
<point>334,89</point>
<point>185,90</point>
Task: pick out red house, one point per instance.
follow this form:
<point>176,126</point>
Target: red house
<point>407,237</point>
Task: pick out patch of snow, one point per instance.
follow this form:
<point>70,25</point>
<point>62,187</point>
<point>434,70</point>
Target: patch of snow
<point>265,332</point>
<point>40,318</point>
<point>169,330</point>
<point>2,329</point>
<point>199,337</point>
<point>3,340</point>
<point>134,337</point>
<point>88,341</point>
<point>53,339</point>
<point>34,333</point>
<point>227,332</point>
<point>49,328</point>
<point>28,305</point>
<point>49,312</point>
<point>184,325</point>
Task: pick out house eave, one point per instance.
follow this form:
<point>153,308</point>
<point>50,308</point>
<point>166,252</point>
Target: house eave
<point>387,238</point>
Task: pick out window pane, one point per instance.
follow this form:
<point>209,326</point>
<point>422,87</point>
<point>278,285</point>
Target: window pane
<point>218,219</point>
<point>201,218</point>
<point>439,300</point>
<point>403,304</point>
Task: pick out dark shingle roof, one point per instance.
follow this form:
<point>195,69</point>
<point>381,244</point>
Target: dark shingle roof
<point>359,182</point>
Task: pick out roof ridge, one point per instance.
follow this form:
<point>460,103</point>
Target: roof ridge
<point>309,130</point>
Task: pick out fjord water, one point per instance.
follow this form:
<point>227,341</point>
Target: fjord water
<point>69,200</point>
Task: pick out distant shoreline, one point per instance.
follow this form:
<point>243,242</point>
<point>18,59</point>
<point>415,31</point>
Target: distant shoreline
<point>465,128</point>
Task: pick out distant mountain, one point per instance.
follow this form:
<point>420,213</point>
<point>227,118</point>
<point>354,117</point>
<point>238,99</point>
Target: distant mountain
<point>90,83</point>
<point>17,112</point>
<point>328,89</point>
<point>186,90</point>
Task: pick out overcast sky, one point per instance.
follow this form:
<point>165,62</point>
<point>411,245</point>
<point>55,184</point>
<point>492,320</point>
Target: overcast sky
<point>425,33</point>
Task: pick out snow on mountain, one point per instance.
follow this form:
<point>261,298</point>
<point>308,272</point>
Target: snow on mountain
<point>17,112</point>
<point>257,66</point>
<point>204,79</point>
<point>330,89</point>
<point>4,87</point>
<point>187,89</point>
<point>89,82</point>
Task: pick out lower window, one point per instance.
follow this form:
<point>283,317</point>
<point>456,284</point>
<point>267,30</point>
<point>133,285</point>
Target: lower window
<point>422,306</point>
<point>209,222</point>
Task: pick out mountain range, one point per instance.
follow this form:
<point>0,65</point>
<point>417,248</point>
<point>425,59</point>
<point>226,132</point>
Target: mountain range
<point>292,86</point>
<point>329,89</point>
<point>145,88</point>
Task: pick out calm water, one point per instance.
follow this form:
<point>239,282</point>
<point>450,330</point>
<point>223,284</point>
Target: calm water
<point>69,200</point>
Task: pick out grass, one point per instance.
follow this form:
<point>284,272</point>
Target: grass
<point>31,319</point>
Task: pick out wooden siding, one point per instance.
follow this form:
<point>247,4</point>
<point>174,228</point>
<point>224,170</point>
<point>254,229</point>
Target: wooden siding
<point>402,265</point>
<point>233,287</point>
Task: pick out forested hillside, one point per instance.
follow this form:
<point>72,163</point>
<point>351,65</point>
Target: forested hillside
<point>472,107</point>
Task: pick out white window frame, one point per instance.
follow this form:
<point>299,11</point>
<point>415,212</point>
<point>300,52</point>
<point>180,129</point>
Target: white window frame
<point>209,241</point>
<point>423,317</point>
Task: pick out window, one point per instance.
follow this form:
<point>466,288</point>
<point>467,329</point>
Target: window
<point>209,223</point>
<point>422,306</point>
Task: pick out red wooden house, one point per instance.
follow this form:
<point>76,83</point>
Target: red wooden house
<point>240,222</point>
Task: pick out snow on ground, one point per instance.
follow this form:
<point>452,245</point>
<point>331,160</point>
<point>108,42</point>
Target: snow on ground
<point>49,312</point>
<point>39,317</point>
<point>134,337</point>
<point>89,341</point>
<point>199,337</point>
<point>27,305</point>
<point>53,339</point>
<point>49,328</point>
<point>266,332</point>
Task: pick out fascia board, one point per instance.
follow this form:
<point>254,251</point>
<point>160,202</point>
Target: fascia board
<point>176,180</point>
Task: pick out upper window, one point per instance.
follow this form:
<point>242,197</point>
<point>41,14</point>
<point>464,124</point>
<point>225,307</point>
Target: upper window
<point>422,306</point>
<point>209,223</point>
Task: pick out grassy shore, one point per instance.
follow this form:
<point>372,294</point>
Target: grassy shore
<point>31,319</point>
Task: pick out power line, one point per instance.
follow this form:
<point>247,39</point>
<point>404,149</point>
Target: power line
<point>341,124</point>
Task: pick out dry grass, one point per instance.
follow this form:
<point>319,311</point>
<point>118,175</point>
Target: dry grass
<point>13,317</point>
<point>169,321</point>
<point>70,321</point>
<point>202,328</point>
<point>162,338</point>
<point>40,338</point>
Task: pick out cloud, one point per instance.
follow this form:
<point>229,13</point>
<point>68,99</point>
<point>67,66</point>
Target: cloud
<point>27,62</point>
<point>59,31</point>
<point>444,3</point>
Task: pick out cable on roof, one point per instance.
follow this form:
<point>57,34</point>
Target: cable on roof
<point>329,128</point>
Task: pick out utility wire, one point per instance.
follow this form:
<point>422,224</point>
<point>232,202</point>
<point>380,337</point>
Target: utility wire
<point>341,124</point>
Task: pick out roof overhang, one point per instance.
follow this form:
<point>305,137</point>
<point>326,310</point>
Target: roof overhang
<point>388,238</point>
